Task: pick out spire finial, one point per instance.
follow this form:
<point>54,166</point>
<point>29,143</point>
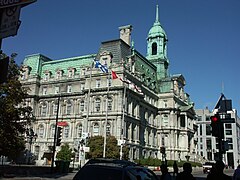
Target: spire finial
<point>157,19</point>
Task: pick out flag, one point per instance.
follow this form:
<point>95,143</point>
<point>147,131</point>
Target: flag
<point>138,89</point>
<point>103,68</point>
<point>114,75</point>
<point>130,83</point>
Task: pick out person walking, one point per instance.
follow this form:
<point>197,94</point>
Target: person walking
<point>217,172</point>
<point>236,174</point>
<point>165,174</point>
<point>187,173</point>
<point>175,168</point>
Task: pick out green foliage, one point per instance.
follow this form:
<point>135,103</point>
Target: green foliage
<point>158,162</point>
<point>13,116</point>
<point>65,153</point>
<point>149,162</point>
<point>180,164</point>
<point>112,150</point>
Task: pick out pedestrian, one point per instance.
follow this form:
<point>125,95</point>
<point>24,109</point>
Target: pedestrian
<point>217,172</point>
<point>236,174</point>
<point>165,174</point>
<point>187,173</point>
<point>175,168</point>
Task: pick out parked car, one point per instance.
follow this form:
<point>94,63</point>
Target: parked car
<point>102,169</point>
<point>207,166</point>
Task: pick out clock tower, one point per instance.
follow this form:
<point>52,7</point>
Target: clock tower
<point>157,48</point>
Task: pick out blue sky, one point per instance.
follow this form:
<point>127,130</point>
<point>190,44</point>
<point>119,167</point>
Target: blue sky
<point>203,37</point>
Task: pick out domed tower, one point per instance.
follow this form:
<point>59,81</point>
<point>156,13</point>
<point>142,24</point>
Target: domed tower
<point>157,48</point>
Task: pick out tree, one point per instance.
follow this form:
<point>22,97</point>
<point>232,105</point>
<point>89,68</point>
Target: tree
<point>14,116</point>
<point>65,153</point>
<point>112,150</point>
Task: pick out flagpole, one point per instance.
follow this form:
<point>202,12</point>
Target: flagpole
<point>88,97</point>
<point>122,122</point>
<point>105,125</point>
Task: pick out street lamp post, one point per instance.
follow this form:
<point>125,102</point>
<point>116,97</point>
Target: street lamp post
<point>31,137</point>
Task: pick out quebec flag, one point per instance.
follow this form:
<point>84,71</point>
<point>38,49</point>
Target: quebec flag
<point>103,68</point>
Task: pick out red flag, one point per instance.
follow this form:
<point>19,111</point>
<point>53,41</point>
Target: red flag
<point>114,75</point>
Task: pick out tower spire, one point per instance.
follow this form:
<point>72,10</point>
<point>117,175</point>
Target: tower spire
<point>157,18</point>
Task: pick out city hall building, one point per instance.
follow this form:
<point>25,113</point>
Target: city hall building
<point>127,95</point>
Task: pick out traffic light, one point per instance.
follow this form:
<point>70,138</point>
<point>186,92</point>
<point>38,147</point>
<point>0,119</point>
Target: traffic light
<point>4,69</point>
<point>162,150</point>
<point>59,136</point>
<point>217,126</point>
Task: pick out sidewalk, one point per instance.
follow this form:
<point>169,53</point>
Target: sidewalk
<point>68,176</point>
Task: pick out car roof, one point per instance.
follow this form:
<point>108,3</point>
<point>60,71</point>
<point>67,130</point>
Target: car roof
<point>110,162</point>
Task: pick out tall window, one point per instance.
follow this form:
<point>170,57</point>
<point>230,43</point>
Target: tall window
<point>230,143</point>
<point>95,129</point>
<point>209,143</point>
<point>208,129</point>
<point>154,48</point>
<point>57,90</point>
<point>97,104</point>
<point>44,90</point>
<point>66,132</point>
<point>68,108</point>
<point>52,131</point>
<point>165,120</point>
<point>81,106</point>
<point>43,110</point>
<point>79,130</point>
<point>182,121</point>
<point>54,108</point>
<point>98,83</point>
<point>69,88</point>
<point>40,131</point>
<point>82,86</point>
<point>163,141</point>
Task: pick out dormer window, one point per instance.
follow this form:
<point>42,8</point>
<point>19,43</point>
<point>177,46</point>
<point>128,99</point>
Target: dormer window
<point>47,75</point>
<point>25,72</point>
<point>71,72</point>
<point>106,58</point>
<point>59,74</point>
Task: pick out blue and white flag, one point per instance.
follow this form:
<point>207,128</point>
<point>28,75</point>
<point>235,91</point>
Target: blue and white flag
<point>103,68</point>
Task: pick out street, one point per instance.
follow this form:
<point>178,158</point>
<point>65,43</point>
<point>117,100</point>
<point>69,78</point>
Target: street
<point>198,174</point>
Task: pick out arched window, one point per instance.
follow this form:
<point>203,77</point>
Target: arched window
<point>97,104</point>
<point>79,130</point>
<point>40,131</point>
<point>43,110</point>
<point>66,131</point>
<point>54,108</point>
<point>154,48</point>
<point>52,131</point>
<point>68,107</point>
<point>165,120</point>
<point>95,129</point>
<point>81,108</point>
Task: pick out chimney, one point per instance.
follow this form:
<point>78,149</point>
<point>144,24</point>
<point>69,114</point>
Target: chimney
<point>125,33</point>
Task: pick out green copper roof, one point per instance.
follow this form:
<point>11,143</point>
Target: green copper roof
<point>157,29</point>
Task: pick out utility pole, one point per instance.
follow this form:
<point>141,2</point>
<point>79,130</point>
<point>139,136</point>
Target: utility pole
<point>55,136</point>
